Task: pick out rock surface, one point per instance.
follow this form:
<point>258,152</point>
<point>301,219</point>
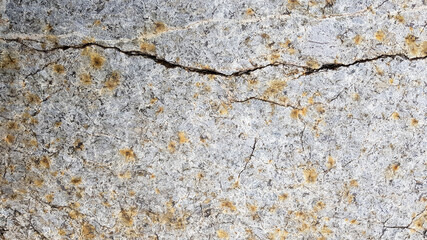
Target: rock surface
<point>213,120</point>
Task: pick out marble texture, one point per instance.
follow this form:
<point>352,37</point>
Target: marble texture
<point>213,120</point>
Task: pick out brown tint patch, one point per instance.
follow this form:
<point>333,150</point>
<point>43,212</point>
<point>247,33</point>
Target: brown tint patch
<point>310,175</point>
<point>172,146</point>
<point>126,217</point>
<point>96,60</point>
<point>147,47</point>
<point>228,205</point>
<point>414,122</point>
<point>9,139</point>
<point>33,99</point>
<point>88,231</point>
<point>86,79</point>
<point>9,61</point>
<point>76,180</point>
<point>357,39</point>
<point>58,68</point>
<point>275,87</point>
<point>45,162</point>
<point>222,234</point>
<point>160,27</point>
<point>283,197</point>
<point>78,145</point>
<point>182,137</point>
<point>380,35</point>
<point>128,154</point>
<point>113,81</point>
<point>330,162</point>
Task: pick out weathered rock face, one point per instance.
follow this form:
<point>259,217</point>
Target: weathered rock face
<point>223,119</point>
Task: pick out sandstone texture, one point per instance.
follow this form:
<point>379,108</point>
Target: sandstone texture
<point>223,119</point>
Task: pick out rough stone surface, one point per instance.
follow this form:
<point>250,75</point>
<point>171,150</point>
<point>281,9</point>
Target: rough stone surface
<point>213,119</point>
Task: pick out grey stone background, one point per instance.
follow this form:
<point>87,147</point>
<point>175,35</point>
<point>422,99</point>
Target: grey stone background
<point>213,119</point>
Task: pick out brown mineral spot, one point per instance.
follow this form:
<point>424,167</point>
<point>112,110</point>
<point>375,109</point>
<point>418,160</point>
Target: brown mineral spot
<point>78,145</point>
<point>96,60</point>
<point>88,231</point>
<point>128,154</point>
<point>62,232</point>
<point>249,12</point>
<point>395,167</point>
<point>9,61</point>
<point>353,221</point>
<point>45,162</point>
<point>414,122</point>
<point>58,68</point>
<point>148,47</point>
<point>227,205</point>
<point>38,182</point>
<point>294,113</point>
<point>126,217</point>
<point>153,100</point>
<point>400,18</point>
<point>222,234</point>
<point>313,64</point>
<point>97,22</point>
<point>395,116</point>
<point>357,39</point>
<point>265,36</point>
<point>125,175</point>
<point>283,196</point>
<point>160,27</point>
<point>74,214</point>
<point>86,79</point>
<point>9,139</point>
<point>310,175</point>
<point>380,35</point>
<point>319,206</point>
<point>33,99</point>
<point>160,110</point>
<point>76,180</point>
<point>292,4</point>
<point>354,183</point>
<point>113,81</point>
<point>49,198</point>
<point>132,193</point>
<point>12,125</point>
<point>74,205</point>
<point>274,57</point>
<point>182,137</point>
<point>58,124</point>
<point>419,223</point>
<point>330,163</point>
<point>275,87</point>
<point>223,108</point>
<point>326,230</point>
<point>172,146</point>
<point>391,81</point>
<point>252,208</point>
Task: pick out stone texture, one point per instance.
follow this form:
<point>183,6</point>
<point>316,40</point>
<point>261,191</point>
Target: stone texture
<point>213,120</point>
